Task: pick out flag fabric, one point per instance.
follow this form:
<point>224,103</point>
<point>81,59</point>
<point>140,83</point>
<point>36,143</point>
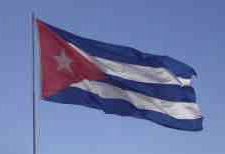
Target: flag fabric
<point>117,79</point>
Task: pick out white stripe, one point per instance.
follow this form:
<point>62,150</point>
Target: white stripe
<point>133,72</point>
<point>185,82</point>
<point>179,110</point>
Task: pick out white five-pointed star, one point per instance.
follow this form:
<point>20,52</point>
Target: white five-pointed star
<point>63,62</point>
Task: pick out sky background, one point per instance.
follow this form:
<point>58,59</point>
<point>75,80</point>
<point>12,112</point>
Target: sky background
<point>192,31</point>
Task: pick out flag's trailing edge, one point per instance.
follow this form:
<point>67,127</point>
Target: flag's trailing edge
<point>117,80</point>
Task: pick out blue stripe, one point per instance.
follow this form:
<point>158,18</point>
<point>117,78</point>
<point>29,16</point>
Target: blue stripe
<point>125,54</point>
<point>120,107</point>
<point>162,91</point>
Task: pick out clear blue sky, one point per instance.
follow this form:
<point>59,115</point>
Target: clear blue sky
<point>192,31</point>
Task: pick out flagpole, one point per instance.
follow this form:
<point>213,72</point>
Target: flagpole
<point>34,87</point>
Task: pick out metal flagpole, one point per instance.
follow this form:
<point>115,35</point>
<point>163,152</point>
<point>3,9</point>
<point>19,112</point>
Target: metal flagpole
<point>34,87</point>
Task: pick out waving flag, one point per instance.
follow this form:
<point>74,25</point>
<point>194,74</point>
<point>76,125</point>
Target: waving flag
<point>116,79</point>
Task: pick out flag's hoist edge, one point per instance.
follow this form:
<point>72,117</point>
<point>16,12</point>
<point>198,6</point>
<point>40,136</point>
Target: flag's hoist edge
<point>167,94</point>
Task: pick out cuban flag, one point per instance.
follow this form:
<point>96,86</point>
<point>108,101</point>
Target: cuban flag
<point>117,79</point>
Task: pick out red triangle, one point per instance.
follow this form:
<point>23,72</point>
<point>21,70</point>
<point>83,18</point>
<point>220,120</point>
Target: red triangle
<point>53,79</point>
